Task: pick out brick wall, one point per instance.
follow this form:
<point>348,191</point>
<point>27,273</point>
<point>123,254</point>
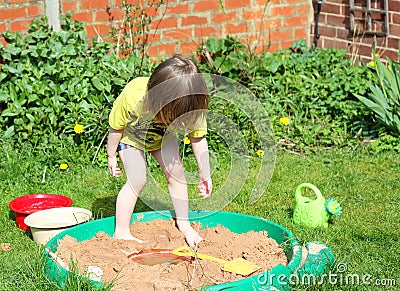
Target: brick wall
<point>179,26</point>
<point>15,15</point>
<point>334,28</point>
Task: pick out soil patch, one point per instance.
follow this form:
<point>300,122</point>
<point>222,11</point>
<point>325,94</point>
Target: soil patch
<point>111,256</point>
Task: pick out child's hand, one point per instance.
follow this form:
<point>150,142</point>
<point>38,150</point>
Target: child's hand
<point>205,188</point>
<point>115,171</point>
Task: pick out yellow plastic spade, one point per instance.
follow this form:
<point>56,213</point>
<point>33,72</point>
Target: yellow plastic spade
<point>237,266</point>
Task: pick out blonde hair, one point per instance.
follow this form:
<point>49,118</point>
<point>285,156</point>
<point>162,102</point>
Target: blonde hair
<point>176,88</point>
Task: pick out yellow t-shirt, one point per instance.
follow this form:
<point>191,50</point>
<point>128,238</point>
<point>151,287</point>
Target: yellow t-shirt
<point>140,130</point>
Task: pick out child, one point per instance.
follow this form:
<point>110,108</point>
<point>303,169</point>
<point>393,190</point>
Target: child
<point>144,117</point>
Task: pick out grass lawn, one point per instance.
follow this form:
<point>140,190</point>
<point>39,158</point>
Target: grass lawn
<point>364,239</point>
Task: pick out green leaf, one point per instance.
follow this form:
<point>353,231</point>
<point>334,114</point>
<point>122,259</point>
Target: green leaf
<point>97,84</point>
<point>8,112</point>
<point>30,117</point>
<point>18,121</point>
<point>9,132</point>
<point>12,49</point>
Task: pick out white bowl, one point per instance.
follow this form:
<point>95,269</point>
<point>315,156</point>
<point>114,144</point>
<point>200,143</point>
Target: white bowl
<point>45,224</point>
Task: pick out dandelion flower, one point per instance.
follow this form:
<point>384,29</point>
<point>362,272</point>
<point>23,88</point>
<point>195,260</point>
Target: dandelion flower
<point>260,153</point>
<point>78,128</point>
<point>377,55</point>
<point>186,140</point>
<point>372,64</point>
<point>63,166</point>
<point>284,120</point>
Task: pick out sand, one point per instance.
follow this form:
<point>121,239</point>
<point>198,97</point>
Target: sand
<point>111,256</point>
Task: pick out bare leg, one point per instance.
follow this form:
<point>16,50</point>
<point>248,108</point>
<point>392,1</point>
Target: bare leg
<point>135,169</point>
<point>169,159</point>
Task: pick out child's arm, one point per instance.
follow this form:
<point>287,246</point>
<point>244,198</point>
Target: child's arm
<point>201,153</point>
<point>113,140</point>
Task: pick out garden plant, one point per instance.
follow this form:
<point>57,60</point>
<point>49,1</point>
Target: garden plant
<point>336,125</point>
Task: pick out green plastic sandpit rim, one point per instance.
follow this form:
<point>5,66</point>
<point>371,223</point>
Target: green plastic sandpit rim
<point>235,222</point>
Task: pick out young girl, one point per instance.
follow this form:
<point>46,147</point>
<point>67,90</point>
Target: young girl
<point>145,117</point>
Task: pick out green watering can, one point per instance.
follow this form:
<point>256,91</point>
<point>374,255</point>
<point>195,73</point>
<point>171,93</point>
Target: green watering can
<point>314,212</point>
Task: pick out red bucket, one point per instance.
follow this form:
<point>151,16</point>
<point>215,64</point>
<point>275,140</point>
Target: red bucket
<point>28,204</point>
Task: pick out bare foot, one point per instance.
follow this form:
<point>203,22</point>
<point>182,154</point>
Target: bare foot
<point>128,237</point>
<point>191,236</point>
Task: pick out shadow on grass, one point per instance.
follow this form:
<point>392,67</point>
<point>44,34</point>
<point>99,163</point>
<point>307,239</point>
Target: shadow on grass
<point>11,216</point>
<point>289,212</point>
<point>105,207</point>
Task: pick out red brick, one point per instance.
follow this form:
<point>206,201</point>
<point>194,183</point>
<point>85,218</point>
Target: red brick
<point>392,54</point>
<point>222,17</point>
<point>153,37</point>
<point>336,20</point>
<point>236,3</point>
<point>364,50</point>
<point>394,29</point>
<point>178,9</point>
<point>193,20</point>
<point>394,6</point>
<point>296,21</point>
<point>186,47</point>
<point>335,43</point>
<point>287,44</point>
<point>151,11</point>
<point>273,47</point>
<point>331,8</point>
<point>396,18</point>
<point>83,16</point>
<point>271,25</point>
<point>12,13</point>
<point>377,17</point>
<point>301,33</point>
<point>327,31</point>
<point>3,27</point>
<point>343,33</point>
<point>235,28</point>
<point>283,11</point>
<point>341,1</point>
<point>265,2</point>
<point>20,25</point>
<point>102,16</point>
<point>68,6</point>
<point>97,30</point>
<point>16,1</point>
<point>164,23</point>
<point>253,14</point>
<point>280,35</point>
<point>178,34</point>
<point>251,39</point>
<point>304,9</point>
<point>162,50</point>
<point>206,5</point>
<point>205,31</point>
<point>3,41</point>
<point>115,14</point>
<point>261,48</point>
<point>93,4</point>
<point>34,10</point>
<point>133,2</point>
<point>393,42</point>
